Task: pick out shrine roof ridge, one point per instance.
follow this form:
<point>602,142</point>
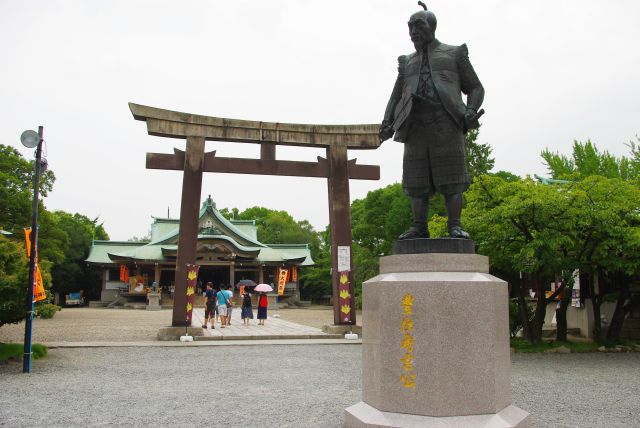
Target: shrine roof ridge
<point>174,124</point>
<point>287,245</point>
<point>130,243</point>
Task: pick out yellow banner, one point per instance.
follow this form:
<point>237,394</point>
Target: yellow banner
<point>38,287</point>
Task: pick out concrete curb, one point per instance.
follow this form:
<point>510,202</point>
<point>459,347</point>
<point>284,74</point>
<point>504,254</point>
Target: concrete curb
<point>178,344</point>
<point>271,337</point>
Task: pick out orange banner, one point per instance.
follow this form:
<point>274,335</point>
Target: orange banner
<point>124,273</point>
<point>294,274</point>
<point>283,277</point>
<point>38,286</point>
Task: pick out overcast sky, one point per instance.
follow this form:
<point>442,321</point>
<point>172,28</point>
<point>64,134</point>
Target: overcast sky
<point>553,71</point>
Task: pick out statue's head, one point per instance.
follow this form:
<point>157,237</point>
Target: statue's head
<point>422,27</point>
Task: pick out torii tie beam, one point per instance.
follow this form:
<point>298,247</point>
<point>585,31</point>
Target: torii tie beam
<point>336,139</point>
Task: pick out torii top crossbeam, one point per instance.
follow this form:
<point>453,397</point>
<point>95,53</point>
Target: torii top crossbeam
<point>173,124</point>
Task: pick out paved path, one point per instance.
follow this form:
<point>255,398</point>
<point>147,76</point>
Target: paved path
<point>274,328</point>
<point>100,326</point>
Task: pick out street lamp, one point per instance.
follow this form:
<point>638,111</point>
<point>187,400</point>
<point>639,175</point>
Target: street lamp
<point>31,139</point>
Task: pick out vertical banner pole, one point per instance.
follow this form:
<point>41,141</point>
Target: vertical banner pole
<point>26,358</point>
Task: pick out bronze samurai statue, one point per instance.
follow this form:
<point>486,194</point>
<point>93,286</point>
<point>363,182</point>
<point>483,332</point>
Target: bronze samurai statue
<point>426,113</point>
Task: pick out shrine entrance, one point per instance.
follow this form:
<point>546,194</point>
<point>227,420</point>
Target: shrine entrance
<point>336,168</point>
<point>217,275</point>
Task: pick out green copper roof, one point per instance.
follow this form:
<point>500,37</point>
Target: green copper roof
<point>235,236</point>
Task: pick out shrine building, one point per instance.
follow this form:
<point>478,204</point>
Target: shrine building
<point>227,252</point>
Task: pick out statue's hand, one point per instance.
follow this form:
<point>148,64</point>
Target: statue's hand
<point>386,131</point>
<point>470,119</point>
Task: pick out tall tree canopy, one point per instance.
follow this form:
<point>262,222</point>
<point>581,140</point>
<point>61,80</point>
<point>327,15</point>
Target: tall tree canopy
<point>16,189</point>
<point>586,160</point>
<point>279,227</point>
<point>64,239</point>
<point>550,230</point>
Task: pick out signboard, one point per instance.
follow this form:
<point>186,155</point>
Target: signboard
<point>344,258</point>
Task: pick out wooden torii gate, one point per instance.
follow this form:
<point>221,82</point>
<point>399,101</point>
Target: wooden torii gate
<point>336,139</point>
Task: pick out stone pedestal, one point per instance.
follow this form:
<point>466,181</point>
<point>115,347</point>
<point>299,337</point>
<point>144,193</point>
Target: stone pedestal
<point>153,301</point>
<point>435,349</point>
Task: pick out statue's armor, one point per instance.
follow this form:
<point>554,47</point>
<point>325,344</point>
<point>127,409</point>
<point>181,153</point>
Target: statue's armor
<point>426,111</point>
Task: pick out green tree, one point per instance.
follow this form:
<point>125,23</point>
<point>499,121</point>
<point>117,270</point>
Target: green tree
<point>549,231</point>
<point>279,227</point>
<point>315,281</point>
<point>520,226</point>
<point>606,232</point>
<point>71,273</point>
<point>379,218</point>
<point>16,189</point>
<point>479,160</point>
<point>586,160</point>
<point>14,276</point>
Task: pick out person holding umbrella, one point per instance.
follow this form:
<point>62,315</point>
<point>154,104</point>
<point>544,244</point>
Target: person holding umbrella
<point>262,302</point>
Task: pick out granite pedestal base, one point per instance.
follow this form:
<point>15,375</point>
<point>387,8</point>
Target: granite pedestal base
<point>435,345</point>
<point>362,415</point>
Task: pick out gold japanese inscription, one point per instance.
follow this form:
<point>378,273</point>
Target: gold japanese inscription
<point>408,376</point>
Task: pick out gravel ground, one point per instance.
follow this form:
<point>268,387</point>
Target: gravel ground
<point>127,325</point>
<point>283,386</point>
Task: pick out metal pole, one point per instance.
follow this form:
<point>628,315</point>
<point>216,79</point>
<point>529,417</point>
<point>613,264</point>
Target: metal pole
<point>26,359</point>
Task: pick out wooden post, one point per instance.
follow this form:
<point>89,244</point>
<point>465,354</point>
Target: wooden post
<point>188,239</point>
<point>232,274</point>
<point>340,226</point>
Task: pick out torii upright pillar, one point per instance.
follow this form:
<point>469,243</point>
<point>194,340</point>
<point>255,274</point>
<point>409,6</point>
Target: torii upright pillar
<point>342,278</point>
<point>189,208</point>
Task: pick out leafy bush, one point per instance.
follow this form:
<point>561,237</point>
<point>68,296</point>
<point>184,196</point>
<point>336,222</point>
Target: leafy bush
<point>14,276</point>
<point>15,350</point>
<point>47,310</point>
<point>515,320</point>
<point>39,350</point>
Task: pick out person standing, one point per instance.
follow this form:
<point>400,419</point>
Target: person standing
<point>229,303</point>
<point>223,297</point>
<point>262,308</point>
<point>209,306</point>
<point>247,309</point>
<point>215,293</point>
